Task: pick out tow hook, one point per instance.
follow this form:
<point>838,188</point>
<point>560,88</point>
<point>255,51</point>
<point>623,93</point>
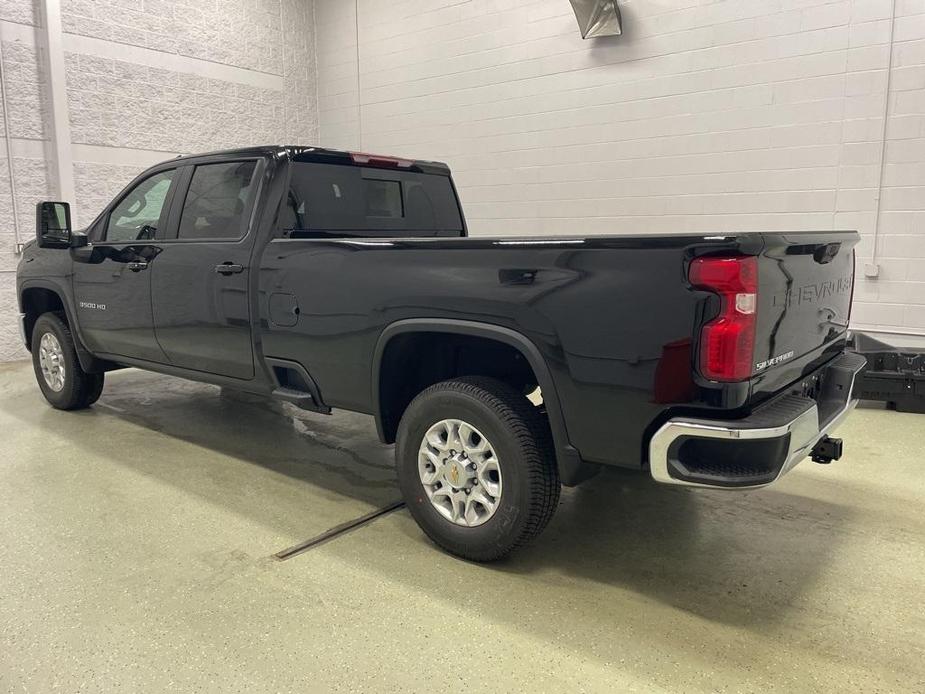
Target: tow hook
<point>826,450</point>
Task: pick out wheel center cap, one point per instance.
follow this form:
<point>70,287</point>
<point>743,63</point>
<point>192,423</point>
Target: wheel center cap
<point>457,474</point>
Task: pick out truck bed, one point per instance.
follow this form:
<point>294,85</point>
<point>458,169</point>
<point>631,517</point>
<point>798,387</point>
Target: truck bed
<point>614,317</point>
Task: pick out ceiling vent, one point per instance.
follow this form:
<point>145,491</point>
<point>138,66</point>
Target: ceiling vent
<point>597,18</point>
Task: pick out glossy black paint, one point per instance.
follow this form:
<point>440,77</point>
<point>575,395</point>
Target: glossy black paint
<point>609,325</point>
<point>112,294</point>
<point>606,314</point>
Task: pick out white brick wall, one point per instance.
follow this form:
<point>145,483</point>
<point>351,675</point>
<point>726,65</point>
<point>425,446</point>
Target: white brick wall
<point>146,81</point>
<point>705,115</point>
<point>177,76</point>
<point>117,103</point>
<point>244,33</point>
<point>725,115</point>
<point>18,11</point>
<point>27,110</point>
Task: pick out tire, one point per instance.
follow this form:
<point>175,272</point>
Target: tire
<point>76,389</point>
<point>501,420</point>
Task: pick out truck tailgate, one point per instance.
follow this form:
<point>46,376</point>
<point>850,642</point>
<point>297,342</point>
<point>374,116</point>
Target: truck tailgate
<point>805,283</point>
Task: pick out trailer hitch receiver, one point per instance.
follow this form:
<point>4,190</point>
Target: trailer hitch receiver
<point>826,450</point>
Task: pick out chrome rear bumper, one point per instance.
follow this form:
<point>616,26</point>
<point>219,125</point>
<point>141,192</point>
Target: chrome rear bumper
<point>755,451</point>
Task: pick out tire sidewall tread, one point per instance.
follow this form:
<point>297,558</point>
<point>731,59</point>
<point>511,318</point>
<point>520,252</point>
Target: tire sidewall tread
<point>521,438</point>
<point>81,389</point>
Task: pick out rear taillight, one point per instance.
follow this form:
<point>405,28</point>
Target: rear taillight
<point>727,342</point>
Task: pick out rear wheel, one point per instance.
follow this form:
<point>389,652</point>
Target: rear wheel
<point>65,385</point>
<point>476,467</point>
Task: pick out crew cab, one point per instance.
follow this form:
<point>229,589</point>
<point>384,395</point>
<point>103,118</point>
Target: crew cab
<point>502,368</point>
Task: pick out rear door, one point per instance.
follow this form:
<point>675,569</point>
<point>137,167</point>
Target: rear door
<point>200,283</point>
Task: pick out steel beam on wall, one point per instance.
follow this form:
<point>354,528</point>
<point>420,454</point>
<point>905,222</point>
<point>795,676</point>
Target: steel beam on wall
<point>56,85</point>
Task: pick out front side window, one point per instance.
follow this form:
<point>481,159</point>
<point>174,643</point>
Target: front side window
<point>218,197</point>
<point>142,211</point>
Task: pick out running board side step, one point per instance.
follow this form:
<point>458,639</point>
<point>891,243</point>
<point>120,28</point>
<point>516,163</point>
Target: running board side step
<point>295,386</point>
<point>300,398</point>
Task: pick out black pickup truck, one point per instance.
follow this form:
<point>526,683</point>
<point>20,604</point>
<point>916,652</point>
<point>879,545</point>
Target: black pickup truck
<point>501,367</point>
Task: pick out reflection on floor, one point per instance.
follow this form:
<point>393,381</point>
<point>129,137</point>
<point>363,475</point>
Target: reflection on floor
<point>138,538</point>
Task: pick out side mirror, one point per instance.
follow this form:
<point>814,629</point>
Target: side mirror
<point>79,240</point>
<point>53,224</point>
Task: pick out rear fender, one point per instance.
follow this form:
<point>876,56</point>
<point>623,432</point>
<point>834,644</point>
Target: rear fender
<point>572,469</point>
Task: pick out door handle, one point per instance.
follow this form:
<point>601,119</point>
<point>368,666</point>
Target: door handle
<point>137,266</point>
<point>229,269</point>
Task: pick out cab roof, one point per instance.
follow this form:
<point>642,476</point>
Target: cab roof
<point>323,155</point>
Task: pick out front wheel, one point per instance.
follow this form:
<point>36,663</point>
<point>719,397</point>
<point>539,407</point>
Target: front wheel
<point>476,467</point>
<point>65,385</point>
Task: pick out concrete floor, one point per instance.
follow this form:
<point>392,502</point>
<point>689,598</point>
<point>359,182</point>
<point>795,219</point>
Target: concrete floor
<point>137,539</point>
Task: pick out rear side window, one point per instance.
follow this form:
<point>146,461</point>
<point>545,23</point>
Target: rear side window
<point>218,198</point>
<point>330,200</point>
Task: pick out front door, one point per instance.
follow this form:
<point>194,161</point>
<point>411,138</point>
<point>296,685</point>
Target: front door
<point>112,284</point>
<point>200,281</point>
